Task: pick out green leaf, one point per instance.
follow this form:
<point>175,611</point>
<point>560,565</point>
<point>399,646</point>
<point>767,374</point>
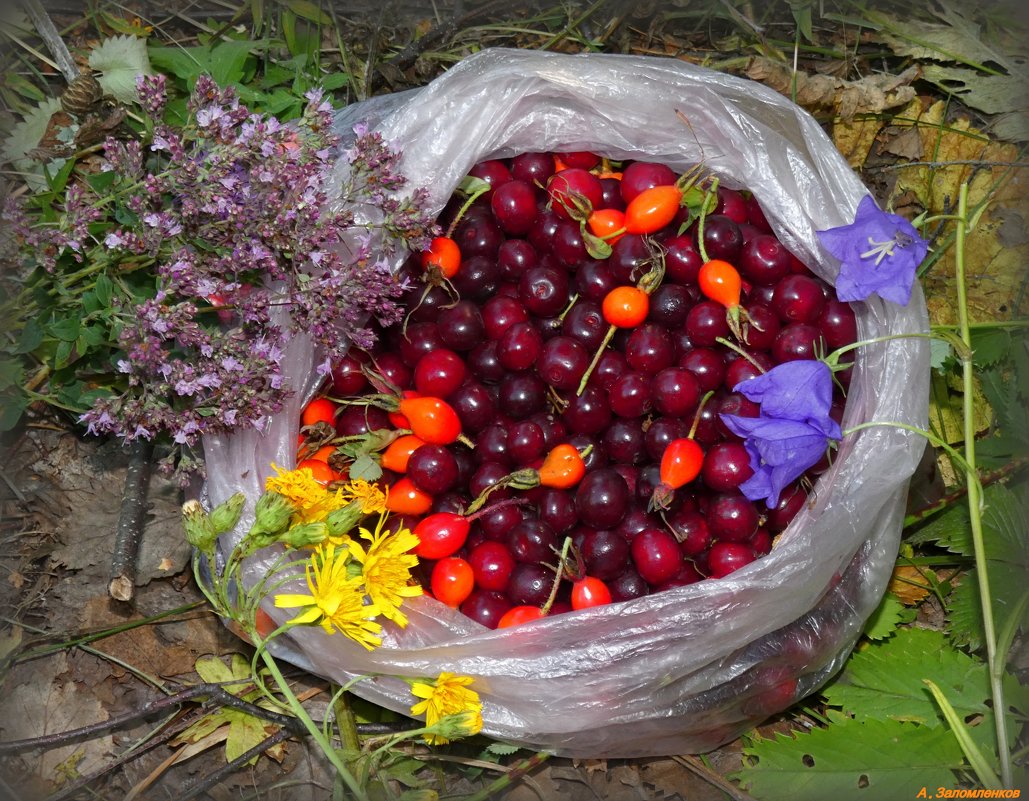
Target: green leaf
<point>100,182</point>
<point>28,133</point>
<point>961,732</point>
<point>990,346</point>
<point>503,749</point>
<point>851,759</point>
<point>30,338</point>
<point>120,60</point>
<point>245,731</point>
<point>890,613</point>
<point>12,406</point>
<point>67,330</point>
<point>885,681</point>
<point>104,289</point>
<point>366,467</point>
<point>939,353</point>
<point>949,529</point>
<point>309,11</point>
<point>964,608</point>
<point>11,373</point>
<point>185,63</point>
<point>228,60</point>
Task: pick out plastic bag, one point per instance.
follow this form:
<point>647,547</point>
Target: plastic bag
<point>691,668</point>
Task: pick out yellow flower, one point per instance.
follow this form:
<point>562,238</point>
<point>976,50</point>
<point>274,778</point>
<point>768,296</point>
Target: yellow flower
<point>336,601</point>
<point>371,496</point>
<point>299,487</point>
<point>448,695</point>
<point>386,567</point>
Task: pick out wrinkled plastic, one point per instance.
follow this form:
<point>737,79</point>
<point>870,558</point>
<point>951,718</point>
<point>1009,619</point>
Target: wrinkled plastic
<point>691,668</point>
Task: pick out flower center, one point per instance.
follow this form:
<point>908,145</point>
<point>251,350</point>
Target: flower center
<point>880,250</point>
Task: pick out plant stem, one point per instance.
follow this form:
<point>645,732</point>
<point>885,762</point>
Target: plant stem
<point>975,499</point>
<point>312,727</point>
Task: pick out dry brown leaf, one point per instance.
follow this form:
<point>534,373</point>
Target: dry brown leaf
<point>909,583</point>
<point>44,703</point>
<point>872,94</point>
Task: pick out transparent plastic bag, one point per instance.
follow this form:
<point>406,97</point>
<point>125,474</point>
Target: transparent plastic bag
<point>687,669</point>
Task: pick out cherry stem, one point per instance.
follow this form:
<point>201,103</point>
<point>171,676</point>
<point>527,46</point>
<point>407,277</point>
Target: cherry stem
<point>696,415</point>
<point>562,561</point>
<point>700,220</point>
<point>472,197</point>
<point>596,358</point>
<point>568,308</point>
<point>498,505</point>
<point>737,349</point>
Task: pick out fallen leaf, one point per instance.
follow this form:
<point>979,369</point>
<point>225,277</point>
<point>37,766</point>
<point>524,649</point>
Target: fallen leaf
<point>910,584</point>
<point>45,704</point>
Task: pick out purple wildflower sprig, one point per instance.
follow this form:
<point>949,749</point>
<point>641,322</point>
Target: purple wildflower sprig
<point>793,428</point>
<point>221,242</point>
<point>879,253</point>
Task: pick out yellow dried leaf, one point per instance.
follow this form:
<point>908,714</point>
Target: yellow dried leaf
<point>854,139</point>
<point>910,584</point>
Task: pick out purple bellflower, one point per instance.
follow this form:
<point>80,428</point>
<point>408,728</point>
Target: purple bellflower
<point>793,428</point>
<point>878,252</point>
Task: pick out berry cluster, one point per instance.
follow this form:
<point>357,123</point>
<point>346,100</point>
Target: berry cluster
<point>574,340</point>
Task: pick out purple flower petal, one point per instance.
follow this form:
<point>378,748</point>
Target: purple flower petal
<point>797,390</point>
<point>879,254</point>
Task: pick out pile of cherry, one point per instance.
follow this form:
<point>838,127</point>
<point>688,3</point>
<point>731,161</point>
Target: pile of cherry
<point>547,418</point>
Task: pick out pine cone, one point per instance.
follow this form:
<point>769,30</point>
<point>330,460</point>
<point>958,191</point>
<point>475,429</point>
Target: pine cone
<point>82,94</point>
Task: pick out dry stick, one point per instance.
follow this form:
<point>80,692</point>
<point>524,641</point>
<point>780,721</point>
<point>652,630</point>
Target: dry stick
<point>517,772</point>
<point>200,786</point>
<point>217,693</point>
<point>130,521</point>
<point>708,775</point>
<point>991,477</point>
<point>48,33</point>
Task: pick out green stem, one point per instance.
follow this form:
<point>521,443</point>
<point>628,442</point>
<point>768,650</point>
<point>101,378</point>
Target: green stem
<point>316,733</point>
<point>596,359</point>
<point>975,499</point>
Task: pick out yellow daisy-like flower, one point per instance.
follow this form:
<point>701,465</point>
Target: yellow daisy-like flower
<point>386,567</point>
<point>371,496</point>
<point>336,601</point>
<point>312,500</point>
<point>448,695</point>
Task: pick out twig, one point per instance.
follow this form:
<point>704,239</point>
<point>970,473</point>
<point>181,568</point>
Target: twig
<point>517,772</point>
<point>216,693</point>
<point>131,521</point>
<point>199,787</point>
<point>48,33</point>
<point>991,477</point>
<point>708,775</point>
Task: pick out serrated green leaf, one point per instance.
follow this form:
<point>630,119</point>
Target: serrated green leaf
<point>503,749</point>
<point>939,353</point>
<point>120,60</point>
<point>28,133</point>
<point>949,529</point>
<point>885,681</point>
<point>890,613</point>
<point>990,345</point>
<point>365,467</point>
<point>964,608</point>
<point>851,759</point>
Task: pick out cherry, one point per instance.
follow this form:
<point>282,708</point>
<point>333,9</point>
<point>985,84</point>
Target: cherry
<point>722,238</point>
<point>732,517</point>
<point>514,206</point>
<point>791,501</point>
<point>732,204</point>
<point>484,364</point>
<point>496,522</point>
<point>588,592</point>
<point>477,236</point>
<point>707,367</point>
<point>562,362</point>
<point>724,558</point>
<point>582,159</point>
<point>356,420</point>
<point>585,323</point>
<point>604,553</point>
<point>519,347</point>
<point>706,323</point>
<point>656,555</point>
<point>675,392</point>
<point>522,394</point>
<point>531,541</point>
<point>569,246</point>
<point>474,405</point>
<point>574,185</point>
<point>630,258</point>
<point>602,498</point>
<point>432,469</point>
<point>594,279</point>
<point>682,260</point>
<point>419,340</point>
<point>460,326</point>
<point>625,442</point>
<point>691,529</point>
<point>486,607</point>
<point>530,584</point>
<point>439,373</point>
<point>797,341</point>
<point>348,377</point>
<point>670,304</point>
<point>627,585</point>
<point>492,171</point>
<point>515,257</point>
<point>478,278</point>
<point>837,324</point>
<point>525,442</point>
<point>662,432</point>
<point>641,175</point>
<point>588,413</point>
<point>533,168</point>
<point>764,260</point>
<point>630,394</point>
<point>557,509</point>
<point>543,290</point>
<point>500,313</point>
<point>650,349</point>
<point>798,299</point>
<point>761,327</point>
<point>726,466</point>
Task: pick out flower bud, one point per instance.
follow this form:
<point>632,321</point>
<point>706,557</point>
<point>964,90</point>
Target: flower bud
<point>342,520</point>
<point>458,725</point>
<point>272,513</point>
<point>305,534</point>
<point>199,531</point>
<point>226,514</point>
